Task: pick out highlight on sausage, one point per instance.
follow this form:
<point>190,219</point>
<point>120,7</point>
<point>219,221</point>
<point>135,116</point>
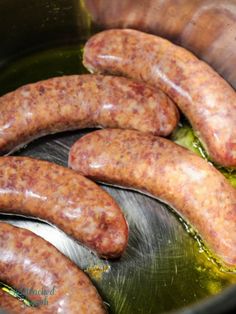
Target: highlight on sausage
<point>31,264</point>
<point>82,101</point>
<point>169,172</point>
<point>205,98</point>
<point>67,200</point>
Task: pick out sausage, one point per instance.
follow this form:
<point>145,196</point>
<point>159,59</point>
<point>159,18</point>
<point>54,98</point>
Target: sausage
<point>62,197</point>
<point>12,305</point>
<point>169,172</point>
<point>82,101</point>
<point>205,98</point>
<point>51,281</point>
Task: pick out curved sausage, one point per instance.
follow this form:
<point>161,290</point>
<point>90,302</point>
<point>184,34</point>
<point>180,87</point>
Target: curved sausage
<point>50,280</point>
<point>202,95</point>
<point>81,101</point>
<point>62,197</point>
<point>169,172</point>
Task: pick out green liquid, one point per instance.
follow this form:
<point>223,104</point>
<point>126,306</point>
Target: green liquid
<point>185,137</point>
<point>42,65</point>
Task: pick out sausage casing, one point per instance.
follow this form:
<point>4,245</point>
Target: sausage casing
<point>169,172</point>
<point>11,305</point>
<point>81,101</point>
<point>30,263</point>
<point>206,99</point>
<point>62,197</point>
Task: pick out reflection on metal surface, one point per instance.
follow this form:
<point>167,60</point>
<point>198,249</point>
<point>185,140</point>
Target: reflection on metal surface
<point>163,268</point>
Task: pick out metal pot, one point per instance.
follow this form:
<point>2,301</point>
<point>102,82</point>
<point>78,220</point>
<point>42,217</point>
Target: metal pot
<point>163,270</point>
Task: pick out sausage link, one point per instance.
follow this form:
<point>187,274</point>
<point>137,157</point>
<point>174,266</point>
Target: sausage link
<point>11,305</point>
<point>30,263</point>
<point>202,95</point>
<point>62,197</point>
<point>81,101</point>
<point>169,172</point>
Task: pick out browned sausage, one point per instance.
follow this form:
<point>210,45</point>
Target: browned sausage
<point>81,101</point>
<point>12,305</point>
<point>60,196</point>
<point>49,279</point>
<point>204,97</point>
<point>169,172</point>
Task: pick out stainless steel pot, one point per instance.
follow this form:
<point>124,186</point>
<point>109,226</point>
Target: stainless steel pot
<point>164,270</point>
